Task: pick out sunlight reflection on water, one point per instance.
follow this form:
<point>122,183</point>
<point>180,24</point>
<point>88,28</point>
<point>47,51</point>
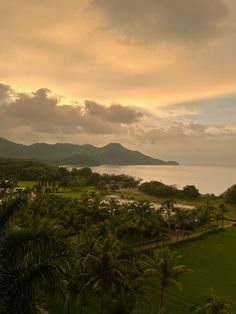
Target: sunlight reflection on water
<point>208,179</point>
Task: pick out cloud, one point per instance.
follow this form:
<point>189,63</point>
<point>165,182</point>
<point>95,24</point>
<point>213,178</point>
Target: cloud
<point>5,92</point>
<point>154,21</point>
<point>182,132</point>
<point>191,143</point>
<point>115,113</point>
<point>42,112</point>
<point>42,116</point>
<point>67,47</point>
<point>211,110</point>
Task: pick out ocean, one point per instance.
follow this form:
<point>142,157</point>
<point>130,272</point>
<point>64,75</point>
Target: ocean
<point>208,179</point>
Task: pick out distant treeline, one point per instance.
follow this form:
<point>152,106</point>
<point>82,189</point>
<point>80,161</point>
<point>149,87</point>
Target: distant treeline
<point>160,189</point>
<point>32,170</point>
<point>22,169</point>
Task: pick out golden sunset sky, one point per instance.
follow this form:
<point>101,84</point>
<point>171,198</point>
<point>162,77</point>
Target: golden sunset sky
<point>157,76</point>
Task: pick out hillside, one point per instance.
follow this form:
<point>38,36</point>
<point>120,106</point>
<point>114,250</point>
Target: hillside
<point>73,154</point>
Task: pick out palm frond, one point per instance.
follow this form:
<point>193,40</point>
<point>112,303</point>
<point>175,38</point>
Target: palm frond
<point>9,209</point>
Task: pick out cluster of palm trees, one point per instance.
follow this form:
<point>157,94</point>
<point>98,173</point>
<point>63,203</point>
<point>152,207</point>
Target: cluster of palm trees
<point>52,248</point>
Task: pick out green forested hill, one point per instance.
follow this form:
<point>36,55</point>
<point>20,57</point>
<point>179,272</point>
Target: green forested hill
<point>113,153</point>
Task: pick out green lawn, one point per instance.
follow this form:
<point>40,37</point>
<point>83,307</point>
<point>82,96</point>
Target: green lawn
<point>26,184</point>
<point>213,261</point>
<point>75,194</point>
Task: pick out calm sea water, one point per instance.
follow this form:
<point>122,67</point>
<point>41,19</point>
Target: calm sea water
<point>208,179</point>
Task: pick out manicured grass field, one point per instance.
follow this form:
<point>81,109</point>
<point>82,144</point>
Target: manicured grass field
<point>26,184</point>
<point>213,261</point>
<point>75,194</point>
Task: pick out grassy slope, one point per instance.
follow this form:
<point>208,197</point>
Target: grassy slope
<point>213,261</point>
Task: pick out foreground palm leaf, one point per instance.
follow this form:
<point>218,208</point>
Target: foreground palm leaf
<point>34,265</point>
<point>9,209</point>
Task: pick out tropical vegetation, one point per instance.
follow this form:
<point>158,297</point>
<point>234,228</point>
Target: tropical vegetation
<point>96,253</point>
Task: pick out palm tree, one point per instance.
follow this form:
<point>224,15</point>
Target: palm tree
<point>222,210</point>
<point>124,303</point>
<point>182,219</point>
<point>143,212</point>
<point>213,304</point>
<point>165,265</point>
<point>204,216</point>
<point>80,276</point>
<point>104,268</point>
<point>117,221</point>
<point>158,227</point>
<point>33,263</point>
<point>168,207</point>
<point>210,212</point>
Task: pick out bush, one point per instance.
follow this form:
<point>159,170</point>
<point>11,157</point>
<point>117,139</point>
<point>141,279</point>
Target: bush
<point>190,191</point>
<point>230,195</point>
<point>157,188</point>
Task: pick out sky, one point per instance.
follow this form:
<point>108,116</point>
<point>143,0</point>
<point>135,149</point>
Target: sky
<point>157,76</point>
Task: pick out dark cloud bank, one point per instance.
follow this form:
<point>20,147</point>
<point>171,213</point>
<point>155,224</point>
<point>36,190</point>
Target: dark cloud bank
<point>152,21</point>
<point>42,112</point>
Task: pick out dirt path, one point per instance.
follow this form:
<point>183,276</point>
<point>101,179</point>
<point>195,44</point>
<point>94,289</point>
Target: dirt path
<point>174,239</point>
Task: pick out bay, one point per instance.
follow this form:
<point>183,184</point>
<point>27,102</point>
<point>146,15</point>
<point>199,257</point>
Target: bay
<point>208,179</point>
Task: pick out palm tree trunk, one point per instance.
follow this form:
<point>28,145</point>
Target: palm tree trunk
<point>162,299</point>
<point>103,304</point>
<point>83,301</point>
<point>83,297</point>
<point>141,241</point>
<point>169,224</point>
<point>68,306</point>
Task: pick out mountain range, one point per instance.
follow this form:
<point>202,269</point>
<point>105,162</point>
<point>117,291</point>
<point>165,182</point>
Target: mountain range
<point>81,155</point>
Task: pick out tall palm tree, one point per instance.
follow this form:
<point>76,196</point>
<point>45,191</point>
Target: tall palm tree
<point>158,227</point>
<point>143,212</point>
<point>168,207</point>
<point>118,221</point>
<point>104,268</point>
<point>165,265</point>
<point>204,216</point>
<point>33,263</point>
<point>222,211</point>
<point>213,304</point>
<point>209,212</point>
<point>182,219</point>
